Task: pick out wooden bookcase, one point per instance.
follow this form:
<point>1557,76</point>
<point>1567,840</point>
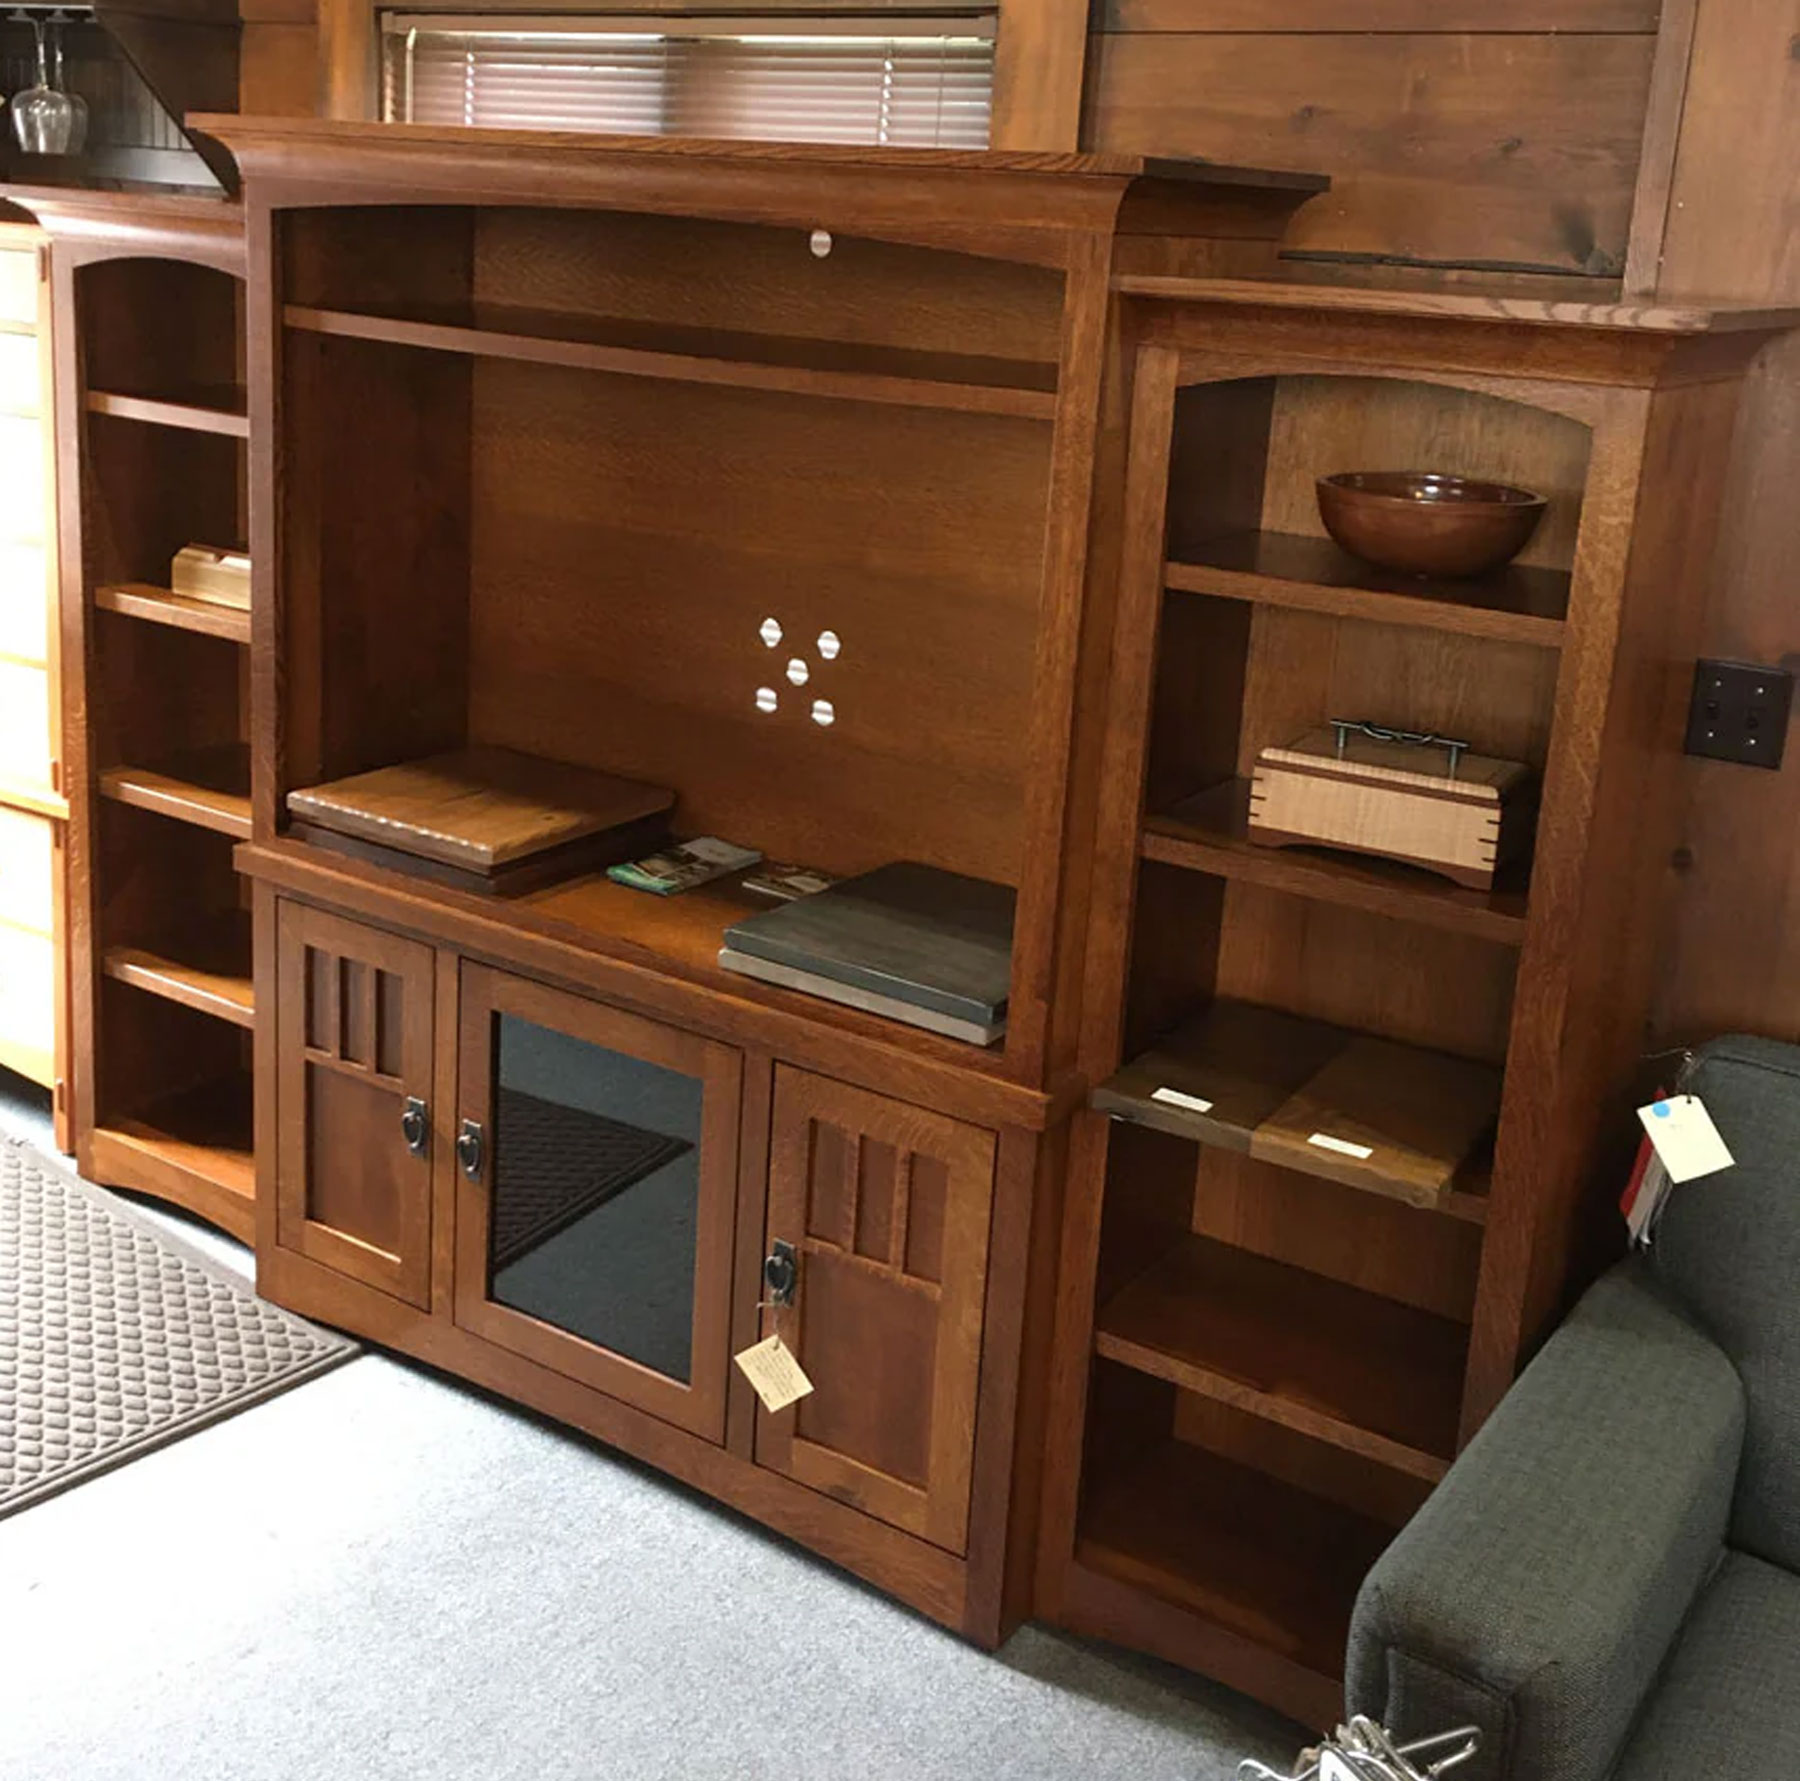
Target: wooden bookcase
<point>33,809</point>
<point>545,435</point>
<point>152,431</point>
<point>1267,1350</point>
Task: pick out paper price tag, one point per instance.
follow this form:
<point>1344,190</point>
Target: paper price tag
<point>772,1369</point>
<point>1175,1098</point>
<point>1687,1142</point>
<point>1343,1146</point>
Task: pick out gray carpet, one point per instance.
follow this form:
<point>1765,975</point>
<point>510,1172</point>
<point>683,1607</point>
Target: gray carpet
<point>381,1576</point>
<point>115,1338</point>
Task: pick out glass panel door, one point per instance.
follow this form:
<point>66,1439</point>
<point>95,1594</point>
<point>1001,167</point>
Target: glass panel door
<point>597,1161</point>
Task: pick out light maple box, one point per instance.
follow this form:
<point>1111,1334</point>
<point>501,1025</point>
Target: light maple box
<point>221,577</point>
<point>1464,815</point>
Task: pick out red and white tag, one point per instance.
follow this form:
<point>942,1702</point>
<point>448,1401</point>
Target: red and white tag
<point>1645,1193</point>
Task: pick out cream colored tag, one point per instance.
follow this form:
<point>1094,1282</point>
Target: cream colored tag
<point>770,1366</point>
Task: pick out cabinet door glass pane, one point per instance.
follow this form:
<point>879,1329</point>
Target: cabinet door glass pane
<point>595,1190</point>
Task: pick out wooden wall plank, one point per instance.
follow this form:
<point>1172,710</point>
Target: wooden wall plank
<point>278,69</point>
<point>1525,17</point>
<point>1734,964</point>
<point>1487,148</point>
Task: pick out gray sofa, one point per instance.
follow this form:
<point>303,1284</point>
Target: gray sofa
<point>1608,1581</point>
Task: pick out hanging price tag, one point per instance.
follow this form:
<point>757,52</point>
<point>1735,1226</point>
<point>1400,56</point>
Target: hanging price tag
<point>1687,1142</point>
<point>771,1367</point>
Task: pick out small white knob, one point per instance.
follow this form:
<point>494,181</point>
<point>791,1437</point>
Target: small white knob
<point>820,243</point>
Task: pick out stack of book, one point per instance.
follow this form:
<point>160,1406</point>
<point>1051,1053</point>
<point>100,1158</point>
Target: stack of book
<point>931,948</point>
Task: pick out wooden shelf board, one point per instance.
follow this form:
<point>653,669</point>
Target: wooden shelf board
<point>162,606</point>
<point>1344,1366</point>
<point>209,789</point>
<point>1274,1565</point>
<point>195,411</point>
<point>846,371</point>
<point>193,1149</point>
<point>1514,605</point>
<point>37,799</point>
<point>1209,832</point>
<point>1270,1085</point>
<point>208,971</point>
<point>678,937</point>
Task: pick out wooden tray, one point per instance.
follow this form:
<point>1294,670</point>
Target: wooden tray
<point>488,818</point>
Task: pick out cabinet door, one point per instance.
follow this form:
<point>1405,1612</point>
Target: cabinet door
<point>597,1157</point>
<point>353,1042</point>
<point>888,1207</point>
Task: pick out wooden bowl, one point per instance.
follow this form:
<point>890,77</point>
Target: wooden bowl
<point>1418,523</point>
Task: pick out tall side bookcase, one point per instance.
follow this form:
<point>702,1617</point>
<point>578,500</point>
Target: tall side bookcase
<point>151,438</point>
<point>1274,1330</point>
<point>33,809</point>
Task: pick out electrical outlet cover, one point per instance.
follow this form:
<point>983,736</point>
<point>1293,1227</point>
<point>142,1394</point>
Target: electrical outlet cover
<point>1740,712</point>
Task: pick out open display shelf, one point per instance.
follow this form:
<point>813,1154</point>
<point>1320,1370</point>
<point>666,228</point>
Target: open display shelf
<point>1514,604</point>
<point>1265,1562</point>
<point>1360,1371</point>
<point>192,1146</point>
<point>908,377</point>
<point>182,612</point>
<point>1209,832</point>
<point>194,410</point>
<point>207,969</point>
<point>209,788</point>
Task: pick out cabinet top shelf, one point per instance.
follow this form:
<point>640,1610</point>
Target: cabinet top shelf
<point>1500,303</point>
<point>952,195</point>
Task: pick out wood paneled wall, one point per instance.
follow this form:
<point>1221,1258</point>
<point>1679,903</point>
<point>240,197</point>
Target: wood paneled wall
<point>1464,131</point>
<point>1734,230</point>
<point>278,70</point>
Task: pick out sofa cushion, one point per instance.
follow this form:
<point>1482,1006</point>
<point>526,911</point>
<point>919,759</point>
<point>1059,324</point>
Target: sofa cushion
<point>1729,1702</point>
<point>1728,1246</point>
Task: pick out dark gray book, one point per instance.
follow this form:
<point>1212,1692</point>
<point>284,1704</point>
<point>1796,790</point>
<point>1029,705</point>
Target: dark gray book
<point>934,939</point>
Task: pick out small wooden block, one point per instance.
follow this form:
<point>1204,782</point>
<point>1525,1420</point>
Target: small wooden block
<point>1392,799</point>
<point>1389,1118</point>
<point>480,809</point>
<point>202,572</point>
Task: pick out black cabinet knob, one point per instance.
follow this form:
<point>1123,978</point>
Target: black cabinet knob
<point>415,1125</point>
<point>781,1273</point>
<point>470,1149</point>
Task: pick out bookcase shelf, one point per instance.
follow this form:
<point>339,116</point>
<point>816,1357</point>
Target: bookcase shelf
<point>193,1146</point>
<point>207,969</point>
<point>209,788</point>
<point>1208,832</point>
<point>202,410</point>
<point>162,606</point>
<point>1359,1371</point>
<point>1515,604</point>
<point>1269,1563</point>
<point>858,373</point>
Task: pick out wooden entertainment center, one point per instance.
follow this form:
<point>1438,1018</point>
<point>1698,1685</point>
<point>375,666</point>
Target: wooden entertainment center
<point>582,448</point>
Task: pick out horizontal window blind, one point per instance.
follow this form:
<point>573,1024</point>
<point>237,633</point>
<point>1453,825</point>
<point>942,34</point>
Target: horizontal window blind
<point>914,83</point>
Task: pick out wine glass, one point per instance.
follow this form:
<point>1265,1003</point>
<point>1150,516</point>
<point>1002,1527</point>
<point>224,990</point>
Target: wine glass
<point>78,114</point>
<point>43,118</point>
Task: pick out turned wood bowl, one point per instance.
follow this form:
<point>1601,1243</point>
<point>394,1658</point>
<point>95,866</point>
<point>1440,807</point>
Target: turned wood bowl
<point>1416,522</point>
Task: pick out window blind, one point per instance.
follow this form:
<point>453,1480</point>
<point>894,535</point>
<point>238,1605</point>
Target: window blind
<point>918,83</point>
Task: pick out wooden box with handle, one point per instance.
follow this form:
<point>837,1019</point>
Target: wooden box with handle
<point>1425,800</point>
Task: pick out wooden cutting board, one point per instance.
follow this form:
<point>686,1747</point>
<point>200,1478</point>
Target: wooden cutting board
<point>479,809</point>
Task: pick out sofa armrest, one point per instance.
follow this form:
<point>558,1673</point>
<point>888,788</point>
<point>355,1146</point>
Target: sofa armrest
<point>1537,1592</point>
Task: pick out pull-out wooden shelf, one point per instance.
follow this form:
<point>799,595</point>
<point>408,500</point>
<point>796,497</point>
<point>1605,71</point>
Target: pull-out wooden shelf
<point>1209,832</point>
<point>1351,1368</point>
<point>1387,1118</point>
<point>845,371</point>
<point>182,612</point>
<point>203,410</point>
<point>1514,604</point>
<point>209,788</point>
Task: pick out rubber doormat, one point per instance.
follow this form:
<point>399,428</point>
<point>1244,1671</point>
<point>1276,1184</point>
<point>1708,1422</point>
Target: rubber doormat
<point>114,1339</point>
